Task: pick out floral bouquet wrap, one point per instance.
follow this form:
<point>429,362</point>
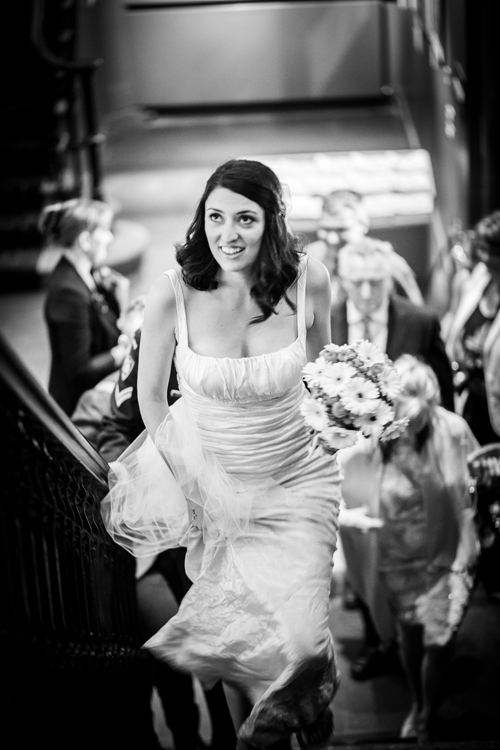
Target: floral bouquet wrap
<point>352,389</point>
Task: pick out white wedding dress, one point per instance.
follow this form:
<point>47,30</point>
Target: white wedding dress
<point>236,485</point>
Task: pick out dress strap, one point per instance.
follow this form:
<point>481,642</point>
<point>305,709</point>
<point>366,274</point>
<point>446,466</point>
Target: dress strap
<point>181,325</point>
<point>301,299</point>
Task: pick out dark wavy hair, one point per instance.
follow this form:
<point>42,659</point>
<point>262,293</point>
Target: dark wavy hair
<point>280,251</point>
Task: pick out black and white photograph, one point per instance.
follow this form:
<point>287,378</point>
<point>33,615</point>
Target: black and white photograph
<point>250,375</point>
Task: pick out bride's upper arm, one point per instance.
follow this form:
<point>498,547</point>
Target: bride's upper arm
<point>157,339</point>
<point>318,292</point>
<point>318,303</point>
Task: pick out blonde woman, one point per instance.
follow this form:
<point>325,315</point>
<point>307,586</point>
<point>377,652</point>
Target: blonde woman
<point>424,546</point>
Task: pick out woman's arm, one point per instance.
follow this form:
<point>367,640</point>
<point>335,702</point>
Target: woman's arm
<point>156,353</point>
<point>318,304</point>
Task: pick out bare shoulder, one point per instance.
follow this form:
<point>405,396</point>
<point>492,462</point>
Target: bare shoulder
<point>161,298</point>
<point>316,249</point>
<point>318,278</point>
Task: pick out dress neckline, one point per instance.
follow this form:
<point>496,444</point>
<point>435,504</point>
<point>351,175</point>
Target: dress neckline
<point>182,330</point>
<point>240,359</point>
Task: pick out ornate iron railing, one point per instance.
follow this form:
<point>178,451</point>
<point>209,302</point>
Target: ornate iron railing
<point>71,658</point>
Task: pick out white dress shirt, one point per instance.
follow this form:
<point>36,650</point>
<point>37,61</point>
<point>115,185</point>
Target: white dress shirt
<point>377,324</point>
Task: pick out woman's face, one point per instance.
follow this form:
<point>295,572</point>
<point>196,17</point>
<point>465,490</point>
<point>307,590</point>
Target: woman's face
<point>101,238</point>
<point>234,227</point>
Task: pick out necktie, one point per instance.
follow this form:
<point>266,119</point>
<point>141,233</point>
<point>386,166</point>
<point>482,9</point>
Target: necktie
<point>366,328</point>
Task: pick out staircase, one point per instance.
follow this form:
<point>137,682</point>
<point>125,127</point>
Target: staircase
<point>50,145</point>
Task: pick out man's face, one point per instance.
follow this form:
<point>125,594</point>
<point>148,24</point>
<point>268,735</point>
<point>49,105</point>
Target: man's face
<point>367,282</point>
<point>340,228</point>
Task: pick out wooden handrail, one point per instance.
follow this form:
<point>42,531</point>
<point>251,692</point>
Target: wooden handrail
<point>18,378</point>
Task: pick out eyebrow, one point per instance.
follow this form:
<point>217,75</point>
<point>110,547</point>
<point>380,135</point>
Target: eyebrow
<point>246,211</point>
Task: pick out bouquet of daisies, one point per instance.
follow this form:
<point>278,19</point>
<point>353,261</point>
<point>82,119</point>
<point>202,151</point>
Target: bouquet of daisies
<point>352,389</point>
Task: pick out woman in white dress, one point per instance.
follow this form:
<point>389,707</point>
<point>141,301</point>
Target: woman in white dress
<point>227,471</point>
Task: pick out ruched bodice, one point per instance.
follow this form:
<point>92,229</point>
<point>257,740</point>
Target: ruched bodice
<point>259,525</point>
<point>243,380</point>
<point>247,409</point>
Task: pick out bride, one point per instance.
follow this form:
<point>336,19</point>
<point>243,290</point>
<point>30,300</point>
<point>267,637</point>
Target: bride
<point>227,472</point>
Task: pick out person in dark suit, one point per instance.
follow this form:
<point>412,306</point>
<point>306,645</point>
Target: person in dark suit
<point>95,402</point>
<point>120,424</point>
<point>84,299</point>
<point>394,324</point>
<point>397,326</point>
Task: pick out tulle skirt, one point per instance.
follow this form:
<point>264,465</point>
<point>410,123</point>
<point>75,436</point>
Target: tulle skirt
<point>260,539</point>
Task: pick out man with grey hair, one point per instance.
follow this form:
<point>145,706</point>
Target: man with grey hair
<point>372,311</point>
<point>345,219</point>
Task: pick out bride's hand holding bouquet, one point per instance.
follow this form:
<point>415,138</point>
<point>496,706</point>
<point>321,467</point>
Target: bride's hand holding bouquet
<point>352,389</point>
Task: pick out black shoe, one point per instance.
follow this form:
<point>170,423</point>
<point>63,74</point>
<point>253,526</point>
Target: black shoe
<point>374,661</point>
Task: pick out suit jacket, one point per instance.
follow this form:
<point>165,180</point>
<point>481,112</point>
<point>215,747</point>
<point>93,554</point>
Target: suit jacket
<point>82,330</point>
<point>413,330</point>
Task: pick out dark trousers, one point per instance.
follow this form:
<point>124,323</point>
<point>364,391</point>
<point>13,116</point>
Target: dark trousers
<point>371,636</point>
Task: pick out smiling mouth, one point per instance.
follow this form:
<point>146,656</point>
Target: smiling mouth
<point>228,250</point>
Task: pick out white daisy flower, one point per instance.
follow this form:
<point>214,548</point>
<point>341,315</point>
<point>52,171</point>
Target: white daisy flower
<point>359,396</point>
<point>389,382</point>
<point>315,414</point>
<point>384,414</point>
<point>335,376</point>
<point>369,353</point>
<point>313,371</point>
<point>373,423</point>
